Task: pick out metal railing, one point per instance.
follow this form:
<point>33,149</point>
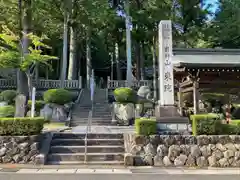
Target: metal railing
<point>88,129</point>
<point>45,84</point>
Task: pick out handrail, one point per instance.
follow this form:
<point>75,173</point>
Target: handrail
<point>88,129</point>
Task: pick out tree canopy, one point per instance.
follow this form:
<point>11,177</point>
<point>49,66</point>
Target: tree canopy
<point>97,29</point>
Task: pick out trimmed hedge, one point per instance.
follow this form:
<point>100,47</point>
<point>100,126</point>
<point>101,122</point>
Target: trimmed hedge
<point>146,126</point>
<point>8,96</point>
<point>125,95</point>
<point>21,126</point>
<point>38,105</point>
<point>57,96</point>
<point>206,116</point>
<point>7,111</point>
<point>213,126</point>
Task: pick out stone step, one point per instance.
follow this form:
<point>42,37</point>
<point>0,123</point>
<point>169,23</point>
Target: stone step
<point>90,157</point>
<point>79,120</point>
<point>97,123</point>
<point>79,113</point>
<point>90,149</point>
<point>93,124</point>
<point>94,118</point>
<point>111,163</point>
<point>90,142</point>
<point>107,136</point>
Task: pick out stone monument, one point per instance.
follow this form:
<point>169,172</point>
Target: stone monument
<point>166,109</point>
<point>20,104</point>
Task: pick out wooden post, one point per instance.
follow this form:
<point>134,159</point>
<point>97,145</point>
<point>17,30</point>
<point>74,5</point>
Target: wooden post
<point>195,97</point>
<point>108,82</point>
<point>180,102</point>
<point>80,82</point>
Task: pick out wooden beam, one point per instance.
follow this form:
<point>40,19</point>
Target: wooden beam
<point>187,89</point>
<point>185,83</point>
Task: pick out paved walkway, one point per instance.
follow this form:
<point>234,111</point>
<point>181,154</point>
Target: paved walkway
<point>130,170</point>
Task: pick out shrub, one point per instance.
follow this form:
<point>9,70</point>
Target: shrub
<point>209,116</point>
<point>215,127</point>
<point>146,126</point>
<point>57,96</point>
<point>7,111</point>
<point>38,105</point>
<point>125,95</point>
<point>21,126</point>
<point>8,96</point>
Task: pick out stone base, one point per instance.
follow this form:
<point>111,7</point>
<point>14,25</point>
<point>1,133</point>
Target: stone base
<point>169,114</point>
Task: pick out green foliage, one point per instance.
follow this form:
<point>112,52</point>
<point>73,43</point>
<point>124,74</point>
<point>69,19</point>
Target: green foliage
<point>8,96</point>
<point>21,126</point>
<point>125,95</point>
<point>210,125</point>
<point>11,54</point>
<point>7,111</point>
<point>38,105</point>
<point>146,126</point>
<point>57,96</point>
<point>215,99</point>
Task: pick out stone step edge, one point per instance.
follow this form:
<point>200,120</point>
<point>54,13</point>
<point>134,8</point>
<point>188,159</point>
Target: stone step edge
<point>88,139</point>
<point>95,146</point>
<point>88,154</point>
<point>78,133</point>
<point>88,162</point>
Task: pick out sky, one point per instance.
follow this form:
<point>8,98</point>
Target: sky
<point>214,4</point>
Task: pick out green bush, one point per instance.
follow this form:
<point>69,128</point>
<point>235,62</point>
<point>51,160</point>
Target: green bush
<point>38,105</point>
<point>8,96</point>
<point>7,111</point>
<point>21,126</point>
<point>208,116</point>
<point>215,127</point>
<point>57,96</point>
<point>146,126</point>
<point>125,95</point>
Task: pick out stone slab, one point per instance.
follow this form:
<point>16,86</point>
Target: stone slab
<point>103,171</point>
<point>66,171</point>
<point>85,171</point>
<point>122,171</point>
<point>27,171</point>
<point>47,171</point>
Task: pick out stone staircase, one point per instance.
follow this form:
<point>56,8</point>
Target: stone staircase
<point>101,114</point>
<point>102,149</point>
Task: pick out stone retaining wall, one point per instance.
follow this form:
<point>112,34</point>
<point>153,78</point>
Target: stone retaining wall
<point>20,149</point>
<point>179,150</point>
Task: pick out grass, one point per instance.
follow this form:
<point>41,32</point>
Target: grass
<point>54,125</point>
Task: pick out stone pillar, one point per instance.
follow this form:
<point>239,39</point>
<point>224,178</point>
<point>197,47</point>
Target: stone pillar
<point>195,97</point>
<point>166,81</point>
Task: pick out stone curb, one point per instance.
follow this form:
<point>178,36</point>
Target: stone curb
<point>41,159</point>
<point>175,171</point>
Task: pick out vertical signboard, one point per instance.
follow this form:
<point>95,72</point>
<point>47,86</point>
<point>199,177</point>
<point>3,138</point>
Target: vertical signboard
<point>166,79</point>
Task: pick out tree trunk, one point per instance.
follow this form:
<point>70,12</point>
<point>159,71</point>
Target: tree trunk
<point>112,56</point>
<point>142,68</point>
<point>22,82</point>
<point>37,72</point>
<point>30,86</point>
<point>137,45</point>
<point>155,80</point>
<point>88,57</point>
<point>72,72</point>
<point>26,17</point>
<point>65,49</point>
<point>119,74</point>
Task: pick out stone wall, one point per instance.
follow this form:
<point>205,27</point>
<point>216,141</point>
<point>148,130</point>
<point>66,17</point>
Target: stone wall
<point>20,149</point>
<point>179,150</point>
